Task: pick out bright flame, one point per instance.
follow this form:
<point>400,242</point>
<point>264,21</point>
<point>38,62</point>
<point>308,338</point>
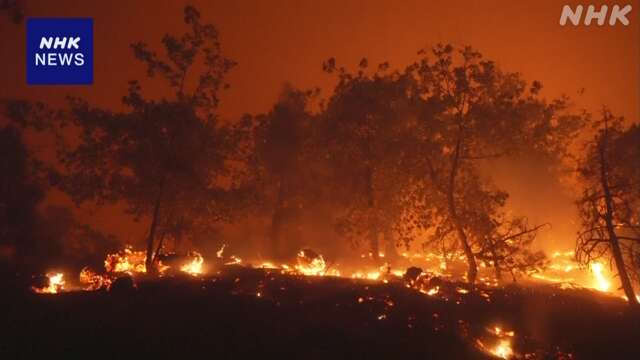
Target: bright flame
<point>56,284</point>
<point>310,265</point>
<point>498,331</point>
<point>128,261</point>
<point>565,271</point>
<point>233,260</point>
<point>372,275</point>
<point>627,299</point>
<point>219,252</point>
<point>568,254</point>
<point>430,292</point>
<point>93,281</point>
<point>503,349</point>
<point>195,266</point>
<point>602,283</point>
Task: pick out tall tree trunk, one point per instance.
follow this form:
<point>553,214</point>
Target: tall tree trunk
<point>613,237</point>
<point>374,245</point>
<point>390,252</point>
<point>159,247</point>
<point>179,234</point>
<point>152,232</point>
<point>472,271</point>
<point>496,264</point>
<point>277,221</point>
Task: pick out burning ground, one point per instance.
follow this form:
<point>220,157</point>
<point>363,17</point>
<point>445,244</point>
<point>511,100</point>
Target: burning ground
<point>317,196</point>
<point>226,307</point>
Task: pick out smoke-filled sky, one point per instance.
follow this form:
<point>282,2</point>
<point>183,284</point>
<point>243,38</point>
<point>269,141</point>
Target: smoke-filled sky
<point>278,41</point>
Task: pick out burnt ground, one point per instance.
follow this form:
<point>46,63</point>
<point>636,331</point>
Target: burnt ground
<point>242,313</point>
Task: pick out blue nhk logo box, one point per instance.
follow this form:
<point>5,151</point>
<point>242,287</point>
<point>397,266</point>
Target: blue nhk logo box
<point>59,51</point>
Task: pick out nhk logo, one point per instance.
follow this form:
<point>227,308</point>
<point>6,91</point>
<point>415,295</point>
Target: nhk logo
<point>59,51</point>
<point>63,59</point>
<point>618,14</point>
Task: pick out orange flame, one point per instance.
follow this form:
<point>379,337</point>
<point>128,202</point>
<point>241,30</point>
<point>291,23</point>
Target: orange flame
<point>56,284</point>
<point>195,266</point>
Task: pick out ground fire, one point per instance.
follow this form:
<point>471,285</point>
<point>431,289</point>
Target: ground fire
<point>320,181</point>
<point>423,275</point>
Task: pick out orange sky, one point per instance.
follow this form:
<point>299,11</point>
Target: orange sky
<point>275,41</point>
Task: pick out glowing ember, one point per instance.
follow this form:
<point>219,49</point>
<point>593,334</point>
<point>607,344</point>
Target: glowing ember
<point>93,281</point>
<point>431,292</point>
<point>56,284</point>
<point>602,283</point>
<point>331,272</point>
<point>397,273</point>
<point>195,266</point>
<point>551,278</point>
<point>373,275</point>
<point>268,265</point>
<point>499,332</point>
<point>233,260</point>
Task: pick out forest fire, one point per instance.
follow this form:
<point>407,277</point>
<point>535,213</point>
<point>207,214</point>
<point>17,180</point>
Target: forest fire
<point>565,271</point>
<point>55,284</point>
<point>494,340</point>
<point>561,270</point>
<point>427,202</point>
<point>127,261</point>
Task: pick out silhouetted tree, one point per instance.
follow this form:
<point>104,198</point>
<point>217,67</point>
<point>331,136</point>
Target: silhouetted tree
<point>63,241</point>
<point>610,203</point>
<point>476,112</point>
<point>364,131</point>
<point>282,163</point>
<point>49,236</point>
<point>506,247</point>
<point>20,193</point>
<point>165,158</point>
